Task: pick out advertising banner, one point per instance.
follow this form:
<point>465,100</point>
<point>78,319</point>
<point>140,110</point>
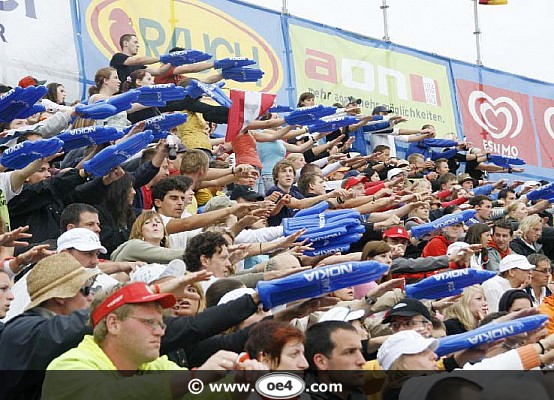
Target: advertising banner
<point>333,66</point>
<point>223,29</point>
<point>507,114</point>
<point>497,119</point>
<point>543,116</point>
<point>67,41</point>
<point>37,38</point>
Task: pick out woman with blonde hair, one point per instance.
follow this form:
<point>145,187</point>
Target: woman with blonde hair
<point>465,314</point>
<point>147,242</point>
<point>531,230</point>
<point>297,159</point>
<point>187,307</point>
<point>516,211</point>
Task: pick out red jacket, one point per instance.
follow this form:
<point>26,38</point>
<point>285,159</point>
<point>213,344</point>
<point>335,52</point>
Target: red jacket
<point>436,247</point>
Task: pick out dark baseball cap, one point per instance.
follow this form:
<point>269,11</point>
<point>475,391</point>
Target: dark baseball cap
<point>381,109</point>
<point>407,308</point>
<point>245,192</point>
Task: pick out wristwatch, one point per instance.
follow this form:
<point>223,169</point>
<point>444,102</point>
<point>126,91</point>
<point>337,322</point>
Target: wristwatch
<point>370,300</point>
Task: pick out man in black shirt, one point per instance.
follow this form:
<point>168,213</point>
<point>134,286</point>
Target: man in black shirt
<point>128,61</point>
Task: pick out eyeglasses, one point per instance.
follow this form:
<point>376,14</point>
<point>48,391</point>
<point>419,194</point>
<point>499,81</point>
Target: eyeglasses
<point>543,271</point>
<point>150,322</point>
<point>408,323</point>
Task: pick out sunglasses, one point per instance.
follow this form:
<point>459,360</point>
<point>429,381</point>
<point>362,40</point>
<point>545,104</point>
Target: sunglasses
<point>85,290</point>
<point>87,287</point>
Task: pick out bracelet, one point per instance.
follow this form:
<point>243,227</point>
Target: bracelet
<point>261,248</point>
<point>156,288</point>
<point>233,170</point>
<point>543,350</point>
<point>339,200</point>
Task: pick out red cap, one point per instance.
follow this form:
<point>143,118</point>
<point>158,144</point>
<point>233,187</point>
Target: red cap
<point>138,292</point>
<point>396,232</point>
<point>29,81</point>
<point>354,180</point>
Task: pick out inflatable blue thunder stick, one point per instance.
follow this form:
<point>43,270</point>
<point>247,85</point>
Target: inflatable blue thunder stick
<point>318,281</point>
<point>488,333</point>
<point>446,284</point>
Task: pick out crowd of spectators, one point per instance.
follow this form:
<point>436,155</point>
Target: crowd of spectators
<point>155,266</point>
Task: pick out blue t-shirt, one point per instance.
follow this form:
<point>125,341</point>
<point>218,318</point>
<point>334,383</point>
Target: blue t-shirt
<point>270,153</point>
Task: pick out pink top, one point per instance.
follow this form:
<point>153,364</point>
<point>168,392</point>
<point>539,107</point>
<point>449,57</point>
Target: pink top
<point>361,290</point>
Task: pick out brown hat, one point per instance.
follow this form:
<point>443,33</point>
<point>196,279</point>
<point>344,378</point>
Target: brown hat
<point>60,275</point>
<point>464,177</point>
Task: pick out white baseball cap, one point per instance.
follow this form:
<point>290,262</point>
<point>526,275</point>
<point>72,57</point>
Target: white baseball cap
<point>456,246</point>
<point>342,314</point>
<point>80,239</point>
<point>403,342</point>
<point>153,272</point>
<point>395,171</point>
<point>512,261</point>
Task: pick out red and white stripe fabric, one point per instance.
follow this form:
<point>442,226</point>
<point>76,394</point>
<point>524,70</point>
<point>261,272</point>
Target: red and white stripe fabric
<point>425,90</point>
<point>246,107</point>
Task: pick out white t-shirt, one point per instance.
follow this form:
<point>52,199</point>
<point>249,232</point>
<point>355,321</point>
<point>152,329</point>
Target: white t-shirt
<point>494,288</point>
<point>179,240</point>
<point>377,139</point>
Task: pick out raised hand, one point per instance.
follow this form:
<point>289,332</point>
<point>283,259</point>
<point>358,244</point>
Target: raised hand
<point>304,115</point>
<point>177,286</point>
<point>117,154</point>
<point>11,239</point>
<point>233,62</point>
<point>196,89</point>
<point>242,74</point>
<point>183,57</point>
<point>159,95</point>
<point>90,135</point>
<point>331,124</point>
<point>26,152</point>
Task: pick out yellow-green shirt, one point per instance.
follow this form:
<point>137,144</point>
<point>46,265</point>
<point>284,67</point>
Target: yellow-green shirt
<point>106,382</point>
